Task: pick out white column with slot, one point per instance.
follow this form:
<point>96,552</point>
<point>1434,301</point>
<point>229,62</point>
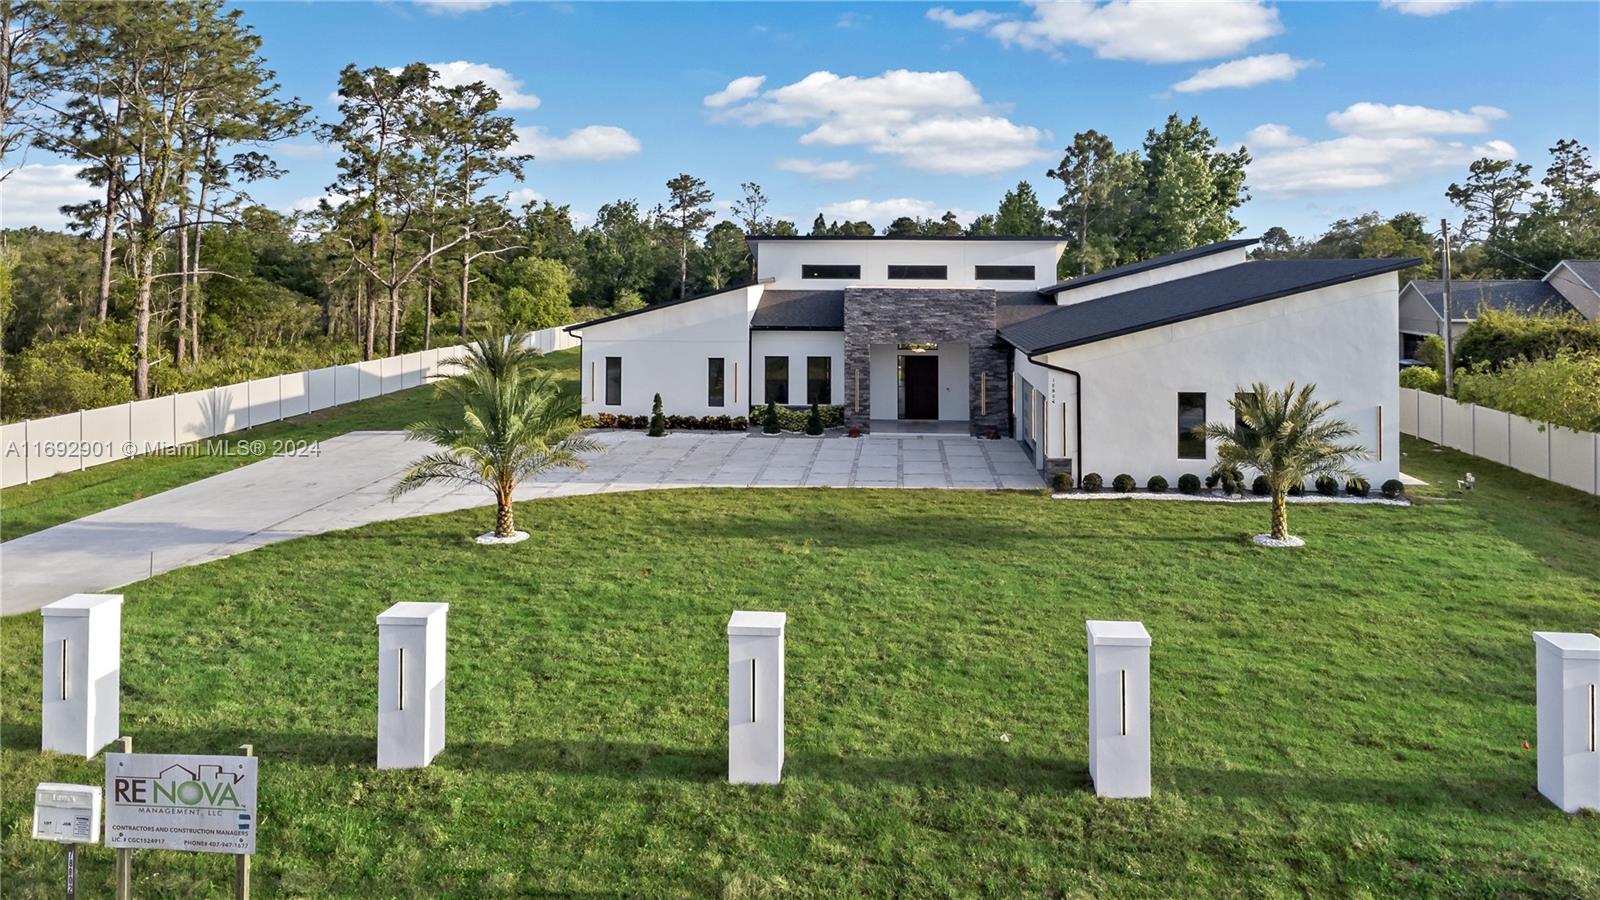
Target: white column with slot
<point>755,697</point>
<point>1567,678</point>
<point>411,642</point>
<point>1119,708</point>
<point>82,673</point>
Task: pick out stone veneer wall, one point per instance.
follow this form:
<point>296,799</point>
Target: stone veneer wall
<point>878,315</point>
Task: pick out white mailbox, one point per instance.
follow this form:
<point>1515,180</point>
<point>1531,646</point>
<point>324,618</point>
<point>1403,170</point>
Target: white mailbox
<point>1119,708</point>
<point>1567,670</point>
<point>82,673</point>
<point>410,684</point>
<point>755,697</point>
<point>66,813</point>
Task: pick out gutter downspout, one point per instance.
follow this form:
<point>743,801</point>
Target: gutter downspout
<point>1077,431</point>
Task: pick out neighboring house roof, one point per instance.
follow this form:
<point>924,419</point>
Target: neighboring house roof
<point>799,311</point>
<point>1148,264</point>
<point>1048,239</point>
<point>1467,297</point>
<point>1188,298</point>
<point>1587,270</point>
<point>655,306</point>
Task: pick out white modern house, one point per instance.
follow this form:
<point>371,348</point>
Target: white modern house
<point>1572,286</point>
<point>1105,373</point>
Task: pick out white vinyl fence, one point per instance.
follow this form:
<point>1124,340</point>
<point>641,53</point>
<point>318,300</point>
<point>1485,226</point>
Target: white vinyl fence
<point>1549,451</point>
<point>39,448</point>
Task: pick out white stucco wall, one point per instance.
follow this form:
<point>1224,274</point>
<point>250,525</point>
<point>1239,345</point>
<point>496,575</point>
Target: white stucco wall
<point>796,345</point>
<point>955,375</point>
<point>665,350</point>
<point>1339,338</point>
<point>1188,267</point>
<point>782,260</point>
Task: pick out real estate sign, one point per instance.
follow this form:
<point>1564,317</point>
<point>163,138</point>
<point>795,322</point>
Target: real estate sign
<point>157,801</point>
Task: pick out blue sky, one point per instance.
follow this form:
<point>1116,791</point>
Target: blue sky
<point>874,110</point>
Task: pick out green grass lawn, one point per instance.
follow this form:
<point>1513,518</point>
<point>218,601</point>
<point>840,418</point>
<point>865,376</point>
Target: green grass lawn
<point>1342,720</point>
<point>27,508</point>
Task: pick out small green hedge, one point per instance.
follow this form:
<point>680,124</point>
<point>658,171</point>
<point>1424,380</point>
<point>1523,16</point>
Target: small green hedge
<point>1124,484</point>
<point>1188,483</point>
<point>1394,489</point>
<point>1092,482</point>
<point>794,418</point>
<point>1156,485</point>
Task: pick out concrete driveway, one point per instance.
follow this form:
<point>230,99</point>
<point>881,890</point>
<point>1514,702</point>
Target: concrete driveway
<point>346,485</point>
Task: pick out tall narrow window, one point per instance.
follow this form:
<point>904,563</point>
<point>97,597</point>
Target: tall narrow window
<point>1191,413</point>
<point>778,379</point>
<point>819,379</point>
<point>613,381</point>
<point>714,383</point>
<point>918,273</point>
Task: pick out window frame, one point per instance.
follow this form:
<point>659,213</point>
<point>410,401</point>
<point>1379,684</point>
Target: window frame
<point>827,381</point>
<point>815,271</point>
<point>767,380</point>
<point>1186,434</point>
<point>716,381</point>
<point>1014,273</point>
<point>613,380</point>
<point>904,272</point>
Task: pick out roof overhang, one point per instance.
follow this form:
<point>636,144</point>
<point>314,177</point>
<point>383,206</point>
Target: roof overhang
<point>670,303</point>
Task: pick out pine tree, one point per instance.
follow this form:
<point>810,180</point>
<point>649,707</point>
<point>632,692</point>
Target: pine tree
<point>769,423</point>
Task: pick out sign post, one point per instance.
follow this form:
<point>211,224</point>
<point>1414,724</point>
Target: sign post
<point>124,855</point>
<point>241,864</point>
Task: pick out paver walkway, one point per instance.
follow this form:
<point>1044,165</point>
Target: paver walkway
<point>347,485</point>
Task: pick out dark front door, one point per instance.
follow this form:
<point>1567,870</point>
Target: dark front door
<point>922,387</point>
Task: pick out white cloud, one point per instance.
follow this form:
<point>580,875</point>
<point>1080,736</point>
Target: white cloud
<point>977,20</point>
<point>1376,119</point>
<point>312,203</point>
<point>591,142</point>
<point>300,151</point>
<point>456,7</point>
<point>882,212</point>
<point>738,89</point>
<point>1424,7</point>
<point>33,195</point>
<point>523,196</point>
<point>933,121</point>
<point>508,86</point>
<point>833,170</point>
<point>1247,72</point>
<point>1293,164</point>
<point>1139,30</point>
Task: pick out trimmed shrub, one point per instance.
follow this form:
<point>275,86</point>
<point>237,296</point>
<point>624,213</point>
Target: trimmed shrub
<point>1422,378</point>
<point>769,420</point>
<point>1124,484</point>
<point>1228,483</point>
<point>814,421</point>
<point>658,422</point>
<point>1357,487</point>
<point>1327,485</point>
<point>1060,482</point>
<point>795,419</point>
<point>1211,480</point>
<point>1393,489</point>
<point>1092,482</point>
<point>1261,487</point>
<point>1188,483</point>
<point>1297,489</point>
<point>1156,485</point>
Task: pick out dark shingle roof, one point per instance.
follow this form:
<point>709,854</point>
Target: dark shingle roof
<point>799,311</point>
<point>1467,297</point>
<point>1147,264</point>
<point>1012,307</point>
<point>1586,269</point>
<point>655,306</point>
<point>1188,298</point>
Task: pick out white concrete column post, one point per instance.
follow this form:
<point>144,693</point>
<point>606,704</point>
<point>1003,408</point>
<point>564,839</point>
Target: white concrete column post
<point>411,648</point>
<point>1119,708</point>
<point>1567,678</point>
<point>755,697</point>
<point>82,673</point>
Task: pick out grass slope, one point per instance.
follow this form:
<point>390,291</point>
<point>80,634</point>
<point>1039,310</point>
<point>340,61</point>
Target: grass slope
<point>26,508</point>
<point>1341,720</point>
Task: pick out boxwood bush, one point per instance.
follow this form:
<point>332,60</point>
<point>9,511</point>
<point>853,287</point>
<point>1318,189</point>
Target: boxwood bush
<point>1156,485</point>
<point>1092,482</point>
<point>1393,489</point>
<point>1124,484</point>
<point>1060,482</point>
<point>1261,487</point>
<point>1357,487</point>
<point>1189,483</point>
<point>1327,485</point>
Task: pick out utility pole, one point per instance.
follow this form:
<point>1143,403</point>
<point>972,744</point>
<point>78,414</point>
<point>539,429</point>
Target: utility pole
<point>1449,323</point>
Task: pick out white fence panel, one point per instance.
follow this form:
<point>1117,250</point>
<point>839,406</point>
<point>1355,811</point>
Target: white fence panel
<point>265,401</point>
<point>411,370</point>
<point>53,445</point>
<point>371,373</point>
<point>1430,422</point>
<point>1408,410</point>
<point>231,408</point>
<point>322,386</point>
<point>1457,425</point>
<point>105,434</point>
<point>393,376</point>
<point>195,415</point>
<point>294,394</point>
<point>1530,447</point>
<point>1572,458</point>
<point>13,454</point>
<point>152,423</point>
<point>347,383</point>
<point>1491,435</point>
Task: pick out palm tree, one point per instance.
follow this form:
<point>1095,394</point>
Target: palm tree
<point>1287,437</point>
<point>515,423</point>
